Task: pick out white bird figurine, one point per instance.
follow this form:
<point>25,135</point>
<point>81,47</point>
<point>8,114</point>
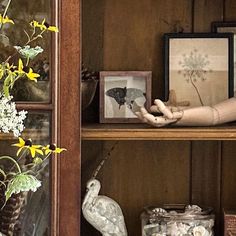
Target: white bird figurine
<point>102,212</point>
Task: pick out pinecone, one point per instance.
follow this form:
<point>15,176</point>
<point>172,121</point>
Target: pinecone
<point>87,74</point>
<point>9,215</point>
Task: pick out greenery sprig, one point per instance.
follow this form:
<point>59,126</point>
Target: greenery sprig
<point>22,177</point>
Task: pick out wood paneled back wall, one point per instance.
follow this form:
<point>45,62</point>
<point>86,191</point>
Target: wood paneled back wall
<point>127,35</point>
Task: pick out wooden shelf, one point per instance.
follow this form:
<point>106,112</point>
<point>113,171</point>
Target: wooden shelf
<point>145,132</point>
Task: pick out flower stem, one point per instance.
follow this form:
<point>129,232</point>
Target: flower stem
<point>34,38</point>
<point>13,82</point>
<point>13,160</point>
<point>28,42</point>
<point>195,87</point>
<point>22,154</point>
<point>5,12</point>
<point>33,166</point>
<point>27,62</point>
<point>41,164</point>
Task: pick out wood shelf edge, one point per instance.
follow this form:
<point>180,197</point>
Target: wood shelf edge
<point>110,132</point>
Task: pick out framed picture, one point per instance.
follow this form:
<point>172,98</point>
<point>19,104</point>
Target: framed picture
<point>122,93</point>
<point>199,68</point>
<point>227,27</point>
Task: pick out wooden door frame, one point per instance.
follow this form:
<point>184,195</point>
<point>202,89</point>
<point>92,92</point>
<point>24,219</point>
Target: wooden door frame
<point>69,166</point>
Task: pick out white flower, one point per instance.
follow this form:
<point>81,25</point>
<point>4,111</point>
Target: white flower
<point>28,52</point>
<point>22,183</point>
<point>10,119</point>
<point>200,231</point>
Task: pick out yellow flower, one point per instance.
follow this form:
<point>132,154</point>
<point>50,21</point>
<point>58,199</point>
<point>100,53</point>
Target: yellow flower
<point>44,26</point>
<point>52,148</point>
<point>11,69</point>
<point>20,67</point>
<point>52,28</point>
<point>4,20</point>
<point>30,74</point>
<point>8,69</point>
<point>27,71</point>
<point>36,24</point>
<point>28,145</point>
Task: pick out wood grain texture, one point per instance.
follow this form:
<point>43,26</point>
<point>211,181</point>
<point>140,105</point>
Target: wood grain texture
<point>229,175</point>
<point>230,10</point>
<point>133,34</point>
<point>206,176</point>
<point>146,132</point>
<point>93,33</point>
<point>205,12</point>
<point>139,174</point>
<point>228,188</point>
<point>69,122</point>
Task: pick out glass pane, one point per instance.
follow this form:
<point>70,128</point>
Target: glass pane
<point>28,214</point>
<point>23,12</point>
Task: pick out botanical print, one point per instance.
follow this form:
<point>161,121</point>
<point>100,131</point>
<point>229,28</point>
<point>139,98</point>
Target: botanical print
<point>198,70</point>
<point>195,69</point>
<point>124,96</point>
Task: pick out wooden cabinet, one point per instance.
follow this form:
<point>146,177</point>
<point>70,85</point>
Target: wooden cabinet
<point>153,166</point>
<point>66,197</point>
<point>164,168</point>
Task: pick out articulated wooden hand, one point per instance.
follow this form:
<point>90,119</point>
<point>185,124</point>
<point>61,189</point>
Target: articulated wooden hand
<point>199,116</point>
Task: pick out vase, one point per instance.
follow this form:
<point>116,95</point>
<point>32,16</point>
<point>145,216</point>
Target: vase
<point>10,213</point>
<point>88,88</point>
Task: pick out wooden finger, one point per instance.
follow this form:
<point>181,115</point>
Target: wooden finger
<point>158,121</point>
<point>163,109</point>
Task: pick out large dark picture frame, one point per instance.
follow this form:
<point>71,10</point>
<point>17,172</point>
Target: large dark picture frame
<point>227,27</point>
<point>199,67</point>
<point>122,93</point>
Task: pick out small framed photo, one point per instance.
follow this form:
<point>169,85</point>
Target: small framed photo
<point>122,93</point>
<point>199,68</point>
<point>227,27</point>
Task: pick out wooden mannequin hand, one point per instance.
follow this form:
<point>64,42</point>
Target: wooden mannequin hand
<point>199,116</point>
<point>170,114</point>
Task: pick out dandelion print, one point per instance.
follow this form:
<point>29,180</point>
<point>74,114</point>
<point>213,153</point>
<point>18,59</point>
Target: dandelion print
<point>195,69</point>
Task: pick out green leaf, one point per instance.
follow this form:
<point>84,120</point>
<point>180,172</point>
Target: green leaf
<point>2,72</point>
<point>22,183</point>
<point>12,77</point>
<point>6,86</point>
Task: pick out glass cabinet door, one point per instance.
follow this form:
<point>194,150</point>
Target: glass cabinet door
<point>23,12</point>
<point>38,99</point>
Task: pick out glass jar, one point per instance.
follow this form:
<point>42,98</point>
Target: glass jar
<point>177,220</point>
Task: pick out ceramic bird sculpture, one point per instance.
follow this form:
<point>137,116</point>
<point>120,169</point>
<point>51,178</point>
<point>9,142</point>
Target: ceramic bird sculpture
<point>102,212</point>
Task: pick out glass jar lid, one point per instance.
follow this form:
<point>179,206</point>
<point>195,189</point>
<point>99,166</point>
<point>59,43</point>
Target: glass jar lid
<point>176,212</point>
